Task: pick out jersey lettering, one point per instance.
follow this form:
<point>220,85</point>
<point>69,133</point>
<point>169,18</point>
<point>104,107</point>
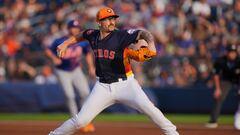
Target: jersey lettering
<point>131,31</point>
<point>100,53</point>
<point>73,53</point>
<point>112,55</point>
<point>95,53</point>
<point>90,32</point>
<point>106,53</point>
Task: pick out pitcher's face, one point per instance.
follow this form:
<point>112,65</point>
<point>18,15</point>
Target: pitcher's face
<point>108,24</point>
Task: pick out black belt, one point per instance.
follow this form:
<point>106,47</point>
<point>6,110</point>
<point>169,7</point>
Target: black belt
<point>103,80</point>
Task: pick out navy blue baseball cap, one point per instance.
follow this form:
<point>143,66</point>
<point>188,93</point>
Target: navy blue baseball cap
<point>73,23</point>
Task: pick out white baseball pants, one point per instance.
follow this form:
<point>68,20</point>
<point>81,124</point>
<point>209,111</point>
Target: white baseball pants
<point>237,114</point>
<point>103,95</point>
<point>69,80</point>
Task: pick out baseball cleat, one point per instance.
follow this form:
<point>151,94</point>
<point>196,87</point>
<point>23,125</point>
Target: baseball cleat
<point>211,125</point>
<point>88,128</point>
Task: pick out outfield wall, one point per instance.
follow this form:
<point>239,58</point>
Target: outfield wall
<point>30,97</point>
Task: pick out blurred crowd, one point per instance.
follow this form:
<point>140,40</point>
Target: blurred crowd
<point>189,34</point>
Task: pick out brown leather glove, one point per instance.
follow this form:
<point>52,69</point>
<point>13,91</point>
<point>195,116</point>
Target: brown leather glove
<point>141,54</point>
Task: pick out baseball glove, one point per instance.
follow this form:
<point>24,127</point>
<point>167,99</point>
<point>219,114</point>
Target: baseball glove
<point>141,54</point>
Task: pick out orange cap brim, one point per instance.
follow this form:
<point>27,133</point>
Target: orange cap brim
<point>115,16</point>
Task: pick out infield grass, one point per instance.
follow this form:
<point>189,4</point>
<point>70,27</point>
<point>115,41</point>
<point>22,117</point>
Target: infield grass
<point>176,118</point>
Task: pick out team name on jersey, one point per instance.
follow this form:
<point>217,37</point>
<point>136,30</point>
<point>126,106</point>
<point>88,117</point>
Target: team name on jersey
<point>73,52</point>
<point>104,53</point>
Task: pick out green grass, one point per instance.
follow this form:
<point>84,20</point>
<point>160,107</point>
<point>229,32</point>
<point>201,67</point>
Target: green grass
<point>198,118</point>
<point>34,116</point>
<point>176,118</point>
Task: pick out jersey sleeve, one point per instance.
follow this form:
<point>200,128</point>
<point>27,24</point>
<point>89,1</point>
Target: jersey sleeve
<point>87,34</point>
<point>128,37</point>
<point>53,46</point>
<point>85,46</point>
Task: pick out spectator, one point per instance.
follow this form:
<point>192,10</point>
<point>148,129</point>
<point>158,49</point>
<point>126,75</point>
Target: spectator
<point>2,71</point>
<point>178,26</point>
<point>24,71</point>
<point>201,8</point>
<point>46,76</point>
<point>189,72</point>
<point>203,64</point>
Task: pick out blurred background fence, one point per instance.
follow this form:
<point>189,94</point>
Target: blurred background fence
<point>30,97</point>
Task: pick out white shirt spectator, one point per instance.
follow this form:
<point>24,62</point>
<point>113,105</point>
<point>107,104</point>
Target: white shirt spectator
<point>201,8</point>
<point>40,80</point>
<point>229,2</point>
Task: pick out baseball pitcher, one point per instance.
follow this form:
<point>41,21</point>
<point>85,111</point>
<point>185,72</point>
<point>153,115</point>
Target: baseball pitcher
<point>116,82</point>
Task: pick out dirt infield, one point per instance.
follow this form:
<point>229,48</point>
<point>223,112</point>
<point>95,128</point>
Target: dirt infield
<point>107,128</point>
